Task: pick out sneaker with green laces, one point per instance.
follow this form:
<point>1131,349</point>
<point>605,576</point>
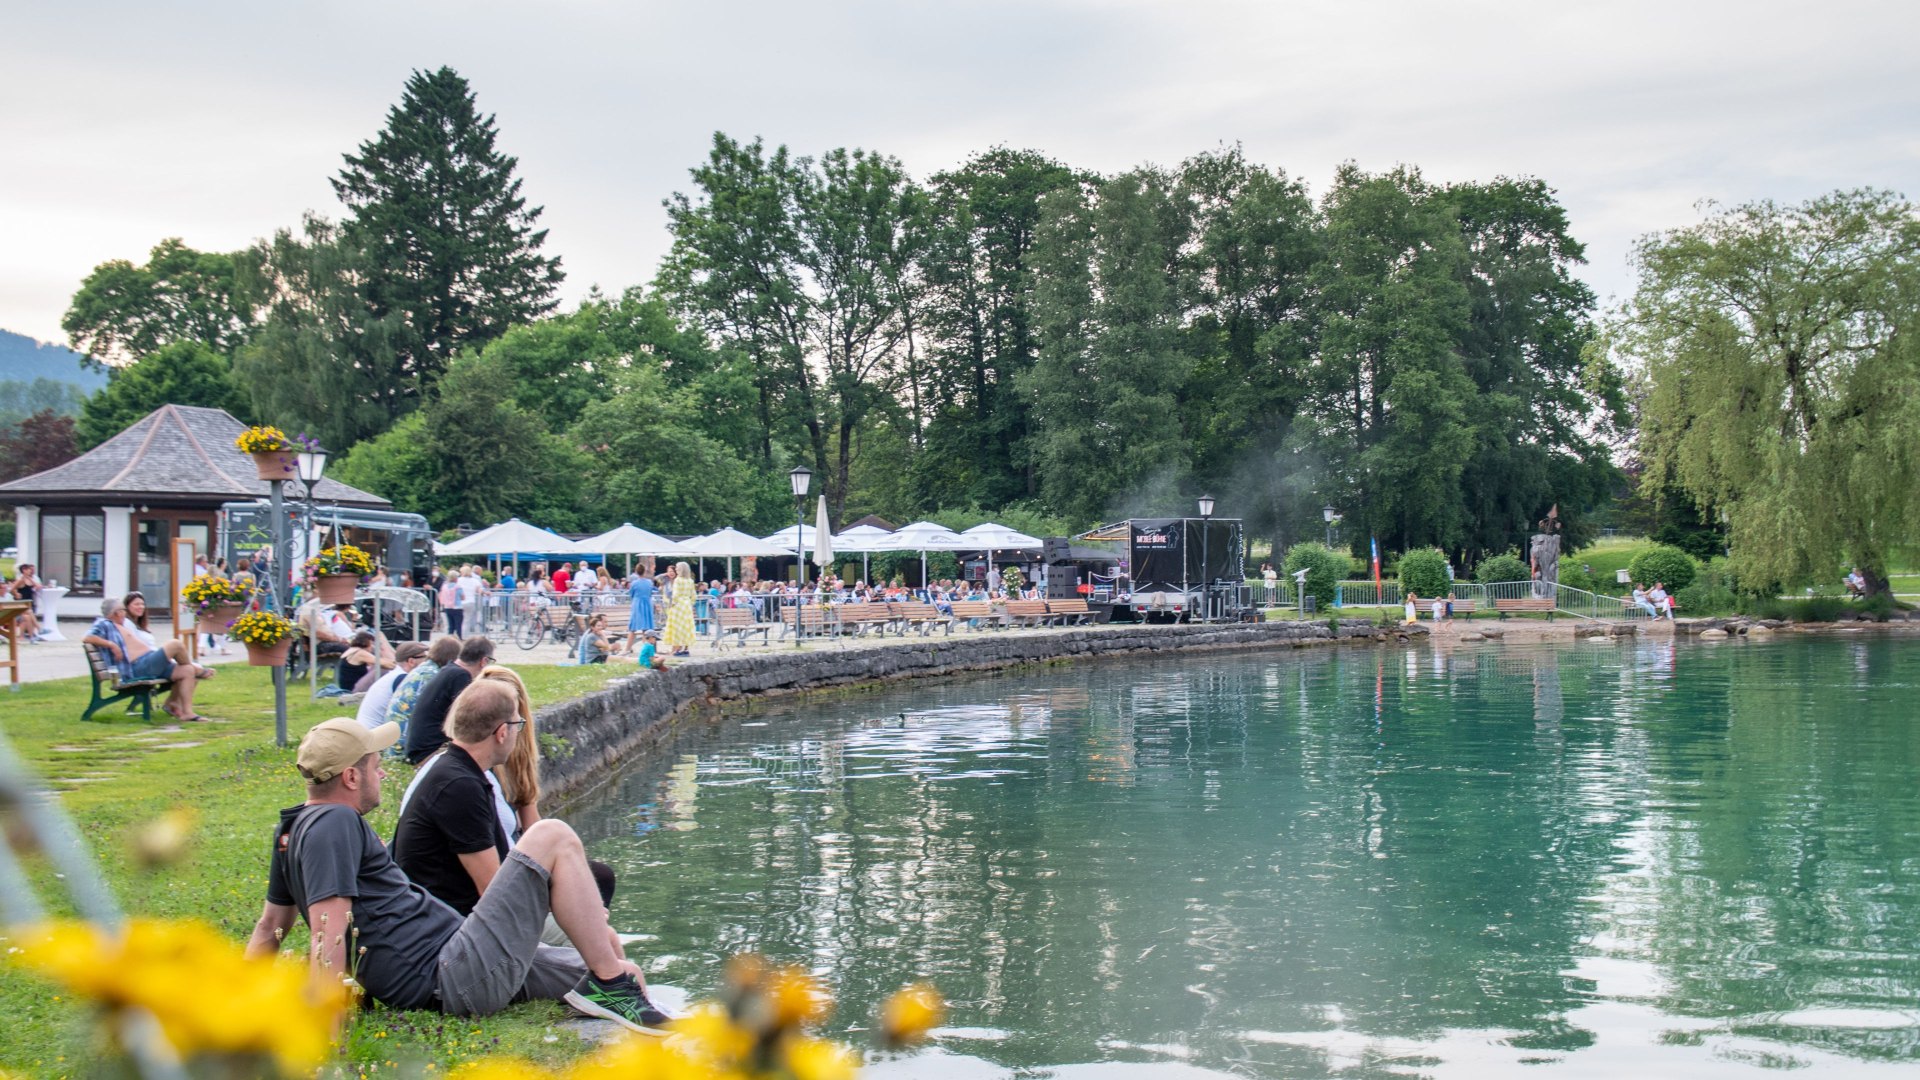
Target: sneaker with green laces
<point>620,1000</point>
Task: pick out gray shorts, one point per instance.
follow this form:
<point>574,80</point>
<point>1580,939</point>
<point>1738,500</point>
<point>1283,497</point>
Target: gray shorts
<point>495,958</point>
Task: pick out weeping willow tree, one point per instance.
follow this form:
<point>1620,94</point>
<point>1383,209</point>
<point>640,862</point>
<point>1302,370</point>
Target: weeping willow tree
<point>1782,379</point>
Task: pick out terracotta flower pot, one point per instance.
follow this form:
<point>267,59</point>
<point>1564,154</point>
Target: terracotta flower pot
<point>214,620</point>
<point>274,655</point>
<point>336,588</point>
<point>276,465</point>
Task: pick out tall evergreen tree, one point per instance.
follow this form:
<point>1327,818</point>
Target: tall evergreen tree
<point>452,244</point>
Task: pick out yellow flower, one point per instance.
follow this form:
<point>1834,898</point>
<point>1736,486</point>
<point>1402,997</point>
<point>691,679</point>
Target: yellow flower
<point>906,1017</point>
<point>817,1059</point>
<point>501,1069</point>
<point>164,840</point>
<point>197,984</point>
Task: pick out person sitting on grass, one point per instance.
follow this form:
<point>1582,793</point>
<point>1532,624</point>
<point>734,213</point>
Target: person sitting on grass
<point>426,731</point>
<point>373,707</point>
<point>444,650</point>
<point>136,656</point>
<point>593,643</point>
<point>649,648</point>
<point>405,948</point>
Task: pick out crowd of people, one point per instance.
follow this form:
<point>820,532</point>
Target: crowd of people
<point>477,901</point>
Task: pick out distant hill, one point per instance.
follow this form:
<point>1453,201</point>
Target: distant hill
<point>22,359</point>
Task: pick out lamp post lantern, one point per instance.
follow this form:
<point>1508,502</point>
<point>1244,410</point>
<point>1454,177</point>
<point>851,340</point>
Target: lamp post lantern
<point>1330,515</point>
<point>800,479</point>
<point>1206,568</point>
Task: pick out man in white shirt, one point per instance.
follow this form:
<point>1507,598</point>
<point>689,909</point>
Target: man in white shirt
<point>373,707</point>
<point>586,579</point>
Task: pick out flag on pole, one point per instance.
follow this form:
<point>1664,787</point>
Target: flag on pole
<point>1374,541</point>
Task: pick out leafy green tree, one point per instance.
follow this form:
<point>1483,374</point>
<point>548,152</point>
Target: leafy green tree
<point>321,361</point>
<point>1781,349</point>
<point>1392,398</point>
<point>491,459</point>
<point>184,373</point>
<point>397,466</point>
<point>1106,385</point>
<point>1505,566</point>
<point>981,338</point>
<point>1424,572</point>
<point>807,269</point>
<point>647,460</point>
<point>452,245</point>
<point>1248,330</point>
<point>122,311</point>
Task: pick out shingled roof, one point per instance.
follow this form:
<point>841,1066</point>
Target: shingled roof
<point>175,454</point>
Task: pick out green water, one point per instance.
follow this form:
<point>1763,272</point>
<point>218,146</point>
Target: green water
<point>1593,859</point>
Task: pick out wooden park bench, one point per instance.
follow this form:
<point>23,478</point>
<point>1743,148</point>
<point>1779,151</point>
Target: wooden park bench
<point>858,618</point>
<point>813,622</point>
<point>1524,604</point>
<point>921,616</point>
<point>140,691</point>
<point>739,623</point>
<point>1465,608</point>
<point>1066,612</point>
<point>975,614</point>
<point>1027,613</point>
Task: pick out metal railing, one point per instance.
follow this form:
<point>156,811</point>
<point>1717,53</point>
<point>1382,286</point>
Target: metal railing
<point>1567,600</point>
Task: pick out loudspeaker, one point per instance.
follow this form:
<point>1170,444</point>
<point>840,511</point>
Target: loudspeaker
<point>1063,582</point>
<point>1055,549</point>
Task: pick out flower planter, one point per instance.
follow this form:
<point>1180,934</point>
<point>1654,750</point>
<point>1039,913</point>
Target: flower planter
<point>214,620</point>
<point>274,655</point>
<point>336,588</point>
<point>275,464</point>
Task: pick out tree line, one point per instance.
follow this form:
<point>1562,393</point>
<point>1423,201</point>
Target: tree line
<point>1012,334</point>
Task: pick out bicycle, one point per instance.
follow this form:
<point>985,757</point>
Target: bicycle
<point>539,623</point>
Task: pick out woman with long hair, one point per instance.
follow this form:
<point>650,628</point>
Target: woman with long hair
<point>679,639</point>
<point>520,775</point>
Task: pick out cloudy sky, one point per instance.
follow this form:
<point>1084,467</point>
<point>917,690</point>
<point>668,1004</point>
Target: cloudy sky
<point>219,122</point>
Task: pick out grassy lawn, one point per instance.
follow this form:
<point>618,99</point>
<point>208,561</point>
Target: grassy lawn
<point>116,776</point>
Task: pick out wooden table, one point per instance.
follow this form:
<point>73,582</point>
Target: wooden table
<point>10,633</point>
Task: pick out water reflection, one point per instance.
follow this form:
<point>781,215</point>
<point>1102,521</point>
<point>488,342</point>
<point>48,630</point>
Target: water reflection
<point>1597,856</point>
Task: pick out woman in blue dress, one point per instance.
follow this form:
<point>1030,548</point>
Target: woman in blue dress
<point>641,593</point>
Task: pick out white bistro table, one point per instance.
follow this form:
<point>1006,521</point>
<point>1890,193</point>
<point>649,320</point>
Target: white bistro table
<point>46,608</point>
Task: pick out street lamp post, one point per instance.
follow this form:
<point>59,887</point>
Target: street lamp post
<point>800,479</point>
<point>1206,569</point>
<point>309,465</point>
<point>1331,515</point>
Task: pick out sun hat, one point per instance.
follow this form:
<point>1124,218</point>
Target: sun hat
<point>334,746</point>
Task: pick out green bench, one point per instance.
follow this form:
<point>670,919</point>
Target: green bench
<point>138,693</point>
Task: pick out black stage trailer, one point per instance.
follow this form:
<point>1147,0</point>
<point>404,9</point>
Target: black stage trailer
<point>1183,569</point>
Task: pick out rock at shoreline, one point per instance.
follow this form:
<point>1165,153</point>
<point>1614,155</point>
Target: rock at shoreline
<point>1715,634</point>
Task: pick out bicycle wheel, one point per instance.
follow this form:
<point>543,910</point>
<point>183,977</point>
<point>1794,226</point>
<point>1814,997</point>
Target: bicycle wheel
<point>531,632</point>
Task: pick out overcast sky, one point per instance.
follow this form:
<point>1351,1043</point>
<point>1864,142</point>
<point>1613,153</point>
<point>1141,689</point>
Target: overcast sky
<point>123,124</point>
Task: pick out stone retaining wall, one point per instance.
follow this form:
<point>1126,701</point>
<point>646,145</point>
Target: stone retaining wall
<point>637,711</point>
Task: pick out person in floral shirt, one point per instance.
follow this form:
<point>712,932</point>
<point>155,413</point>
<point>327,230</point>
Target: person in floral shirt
<point>444,650</point>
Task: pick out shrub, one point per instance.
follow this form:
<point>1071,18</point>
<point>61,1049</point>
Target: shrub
<point>1503,567</point>
<point>1668,565</point>
<point>1574,577</point>
<point>1705,598</point>
<point>1424,572</point>
<point>1324,566</point>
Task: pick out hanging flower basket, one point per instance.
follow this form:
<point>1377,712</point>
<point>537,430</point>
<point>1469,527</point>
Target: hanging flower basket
<point>274,465</point>
<point>274,655</point>
<point>216,619</point>
<point>335,588</point>
<point>272,452</point>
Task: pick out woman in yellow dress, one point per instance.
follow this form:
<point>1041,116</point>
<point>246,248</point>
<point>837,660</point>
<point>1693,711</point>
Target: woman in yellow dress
<point>679,639</point>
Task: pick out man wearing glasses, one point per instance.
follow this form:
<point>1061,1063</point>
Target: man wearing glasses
<point>410,950</point>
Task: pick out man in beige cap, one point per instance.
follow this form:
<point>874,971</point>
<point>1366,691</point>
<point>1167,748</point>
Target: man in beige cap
<point>411,951</point>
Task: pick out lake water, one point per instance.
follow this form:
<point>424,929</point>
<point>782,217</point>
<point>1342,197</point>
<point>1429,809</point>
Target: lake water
<point>1594,859</point>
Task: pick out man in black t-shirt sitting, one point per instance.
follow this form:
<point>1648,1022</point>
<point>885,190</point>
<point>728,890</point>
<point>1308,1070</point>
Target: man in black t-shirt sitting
<point>426,731</point>
<point>411,951</point>
<point>450,840</point>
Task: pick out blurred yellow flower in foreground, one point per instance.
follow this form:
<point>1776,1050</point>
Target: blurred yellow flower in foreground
<point>907,1017</point>
<point>165,839</point>
<point>203,991</point>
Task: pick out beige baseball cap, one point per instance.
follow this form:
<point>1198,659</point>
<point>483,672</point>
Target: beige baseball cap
<point>334,746</point>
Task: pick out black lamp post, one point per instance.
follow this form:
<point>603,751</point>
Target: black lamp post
<point>310,465</point>
<point>1330,515</point>
<point>800,478</point>
<point>1206,568</point>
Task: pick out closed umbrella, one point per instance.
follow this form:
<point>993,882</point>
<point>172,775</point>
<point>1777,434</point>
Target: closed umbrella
<point>823,545</point>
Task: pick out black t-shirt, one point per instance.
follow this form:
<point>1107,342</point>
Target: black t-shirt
<point>426,728</point>
<point>449,814</point>
<point>328,850</point>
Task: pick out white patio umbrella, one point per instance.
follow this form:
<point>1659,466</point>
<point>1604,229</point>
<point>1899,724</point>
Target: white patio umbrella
<point>861,538</point>
<point>512,537</point>
<point>924,536</point>
<point>823,551</point>
<point>784,538</point>
<point>630,540</point>
<point>729,543</point>
<point>994,537</point>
